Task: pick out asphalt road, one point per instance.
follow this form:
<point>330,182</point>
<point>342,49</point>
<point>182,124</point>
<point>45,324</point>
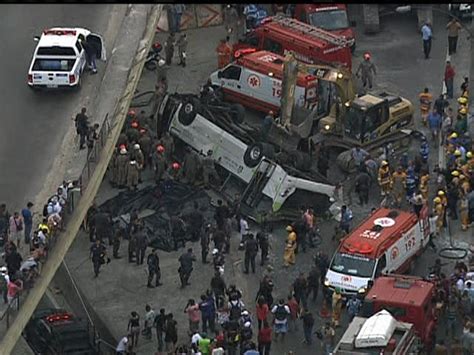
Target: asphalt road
<point>33,124</point>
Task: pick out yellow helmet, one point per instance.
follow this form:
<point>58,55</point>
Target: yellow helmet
<point>463,110</point>
<point>461,177</point>
<point>437,200</point>
<point>440,193</point>
<point>289,228</point>
<point>457,153</point>
<point>462,100</point>
<point>453,135</point>
<point>469,154</point>
<point>384,163</point>
<point>455,173</point>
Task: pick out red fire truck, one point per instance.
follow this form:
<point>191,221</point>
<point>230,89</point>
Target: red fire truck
<point>329,17</point>
<point>408,299</point>
<point>388,241</point>
<point>311,45</point>
<point>255,81</point>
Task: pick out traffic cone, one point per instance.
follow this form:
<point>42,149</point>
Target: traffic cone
<point>324,311</point>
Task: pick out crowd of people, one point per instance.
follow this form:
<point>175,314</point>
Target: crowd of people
<point>25,247</point>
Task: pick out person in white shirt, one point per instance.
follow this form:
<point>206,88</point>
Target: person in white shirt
<point>195,338</point>
<point>244,228</point>
<point>122,346</point>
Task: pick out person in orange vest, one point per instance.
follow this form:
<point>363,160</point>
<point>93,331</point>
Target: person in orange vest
<point>224,52</point>
<point>425,104</point>
<point>385,178</point>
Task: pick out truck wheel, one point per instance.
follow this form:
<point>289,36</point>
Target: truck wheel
<point>188,112</point>
<point>237,113</point>
<point>255,152</point>
<point>345,161</point>
<point>300,160</point>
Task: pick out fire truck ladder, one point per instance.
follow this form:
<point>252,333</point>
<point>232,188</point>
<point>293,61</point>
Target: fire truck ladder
<point>253,192</point>
<point>309,30</point>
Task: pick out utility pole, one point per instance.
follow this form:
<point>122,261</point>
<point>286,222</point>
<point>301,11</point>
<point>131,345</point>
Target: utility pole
<point>288,86</point>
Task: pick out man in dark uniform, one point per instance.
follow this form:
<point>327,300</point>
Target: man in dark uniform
<point>103,226</point>
<point>205,237</point>
<point>178,231</point>
<point>262,239</point>
<point>196,222</point>
<point>132,242</point>
<point>118,235</point>
<point>98,253</point>
<point>251,250</point>
<point>82,126</point>
<point>186,267</point>
<point>153,262</point>
<point>141,244</point>
<point>362,187</point>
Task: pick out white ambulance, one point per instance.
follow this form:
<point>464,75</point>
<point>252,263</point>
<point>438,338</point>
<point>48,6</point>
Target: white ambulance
<point>255,80</point>
<point>388,241</point>
<point>60,59</point>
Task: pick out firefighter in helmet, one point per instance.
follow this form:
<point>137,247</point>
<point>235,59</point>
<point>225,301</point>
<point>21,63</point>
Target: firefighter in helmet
<point>424,184</point>
<point>425,104</point>
<point>438,211</point>
<point>385,178</point>
<point>367,70</point>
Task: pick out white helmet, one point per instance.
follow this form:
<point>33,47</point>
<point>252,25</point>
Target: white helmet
<point>136,146</point>
<point>3,269</point>
<point>161,62</point>
<point>244,313</point>
<point>215,251</point>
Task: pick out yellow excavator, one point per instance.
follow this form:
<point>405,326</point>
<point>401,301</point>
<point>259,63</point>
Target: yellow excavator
<point>345,120</point>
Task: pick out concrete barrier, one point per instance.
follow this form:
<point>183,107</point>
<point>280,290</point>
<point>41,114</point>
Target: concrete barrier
<point>67,237</point>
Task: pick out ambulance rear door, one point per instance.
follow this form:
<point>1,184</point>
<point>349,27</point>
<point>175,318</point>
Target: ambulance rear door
<point>405,248</point>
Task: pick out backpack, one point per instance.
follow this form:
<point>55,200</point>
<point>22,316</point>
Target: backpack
<point>281,313</point>
<point>235,310</point>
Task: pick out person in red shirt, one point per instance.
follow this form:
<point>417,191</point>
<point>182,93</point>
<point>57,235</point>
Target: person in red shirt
<point>262,311</point>
<point>449,74</point>
<point>294,312</point>
<point>264,339</point>
<point>13,288</point>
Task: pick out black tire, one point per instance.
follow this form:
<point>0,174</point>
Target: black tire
<point>255,152</point>
<point>151,65</point>
<point>188,112</point>
<point>238,113</point>
<point>300,160</point>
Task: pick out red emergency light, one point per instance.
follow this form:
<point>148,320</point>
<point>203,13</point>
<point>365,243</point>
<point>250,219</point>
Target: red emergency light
<point>59,32</point>
<point>243,51</point>
<point>58,317</point>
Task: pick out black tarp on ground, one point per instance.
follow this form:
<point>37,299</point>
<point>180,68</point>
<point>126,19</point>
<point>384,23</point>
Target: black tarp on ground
<point>180,199</point>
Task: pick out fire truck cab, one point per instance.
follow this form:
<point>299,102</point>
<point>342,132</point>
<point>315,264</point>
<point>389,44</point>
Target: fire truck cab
<point>387,241</point>
<point>408,299</point>
<point>255,80</point>
<point>311,45</point>
<point>330,17</point>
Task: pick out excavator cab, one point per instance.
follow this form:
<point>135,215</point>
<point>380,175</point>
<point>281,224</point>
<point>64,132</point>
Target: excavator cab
<point>365,121</point>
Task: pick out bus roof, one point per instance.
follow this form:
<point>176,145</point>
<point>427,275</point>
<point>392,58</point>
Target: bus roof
<point>377,232</point>
<point>399,289</point>
<point>270,64</point>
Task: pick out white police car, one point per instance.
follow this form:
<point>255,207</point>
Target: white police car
<point>60,59</point>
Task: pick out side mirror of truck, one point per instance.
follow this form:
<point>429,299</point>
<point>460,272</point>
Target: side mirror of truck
<point>36,38</point>
<point>353,23</point>
<point>219,74</point>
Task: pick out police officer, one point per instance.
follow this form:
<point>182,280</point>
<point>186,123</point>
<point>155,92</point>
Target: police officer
<point>132,175</point>
<point>153,262</point>
<point>178,230</point>
<point>103,224</point>
<point>205,238</point>
<point>196,223</point>
<point>263,244</point>
<point>82,126</point>
<point>190,166</point>
<point>118,235</point>
<point>186,267</point>
<point>98,253</point>
<point>169,48</point>
<point>209,170</point>
<point>122,163</point>
<point>182,46</point>
<point>141,244</point>
<point>251,250</point>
